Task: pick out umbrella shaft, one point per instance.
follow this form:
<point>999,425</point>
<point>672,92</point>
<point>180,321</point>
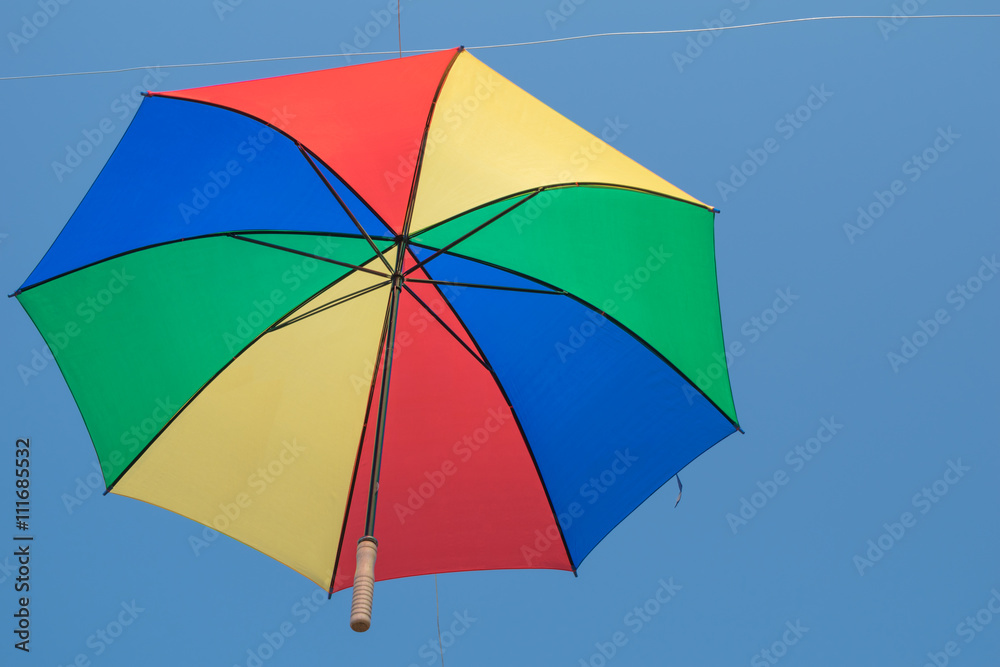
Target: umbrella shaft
<point>383,402</point>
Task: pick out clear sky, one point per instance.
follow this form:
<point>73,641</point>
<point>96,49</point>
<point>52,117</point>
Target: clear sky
<point>855,164</point>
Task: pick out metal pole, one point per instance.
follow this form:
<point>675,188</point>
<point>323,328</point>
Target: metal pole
<point>397,284</point>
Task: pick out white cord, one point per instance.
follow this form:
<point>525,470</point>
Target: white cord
<point>498,46</point>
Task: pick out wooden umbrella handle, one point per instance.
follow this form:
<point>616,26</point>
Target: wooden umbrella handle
<point>364,585</point>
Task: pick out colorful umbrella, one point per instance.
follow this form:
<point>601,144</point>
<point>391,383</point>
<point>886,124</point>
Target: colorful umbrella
<point>406,281</point>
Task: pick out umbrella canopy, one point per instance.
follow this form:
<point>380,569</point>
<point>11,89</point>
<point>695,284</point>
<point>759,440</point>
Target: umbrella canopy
<point>408,279</point>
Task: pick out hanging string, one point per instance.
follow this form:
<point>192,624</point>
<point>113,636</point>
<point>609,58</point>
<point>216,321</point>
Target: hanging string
<point>495,46</point>
<point>399,26</point>
<point>437,606</point>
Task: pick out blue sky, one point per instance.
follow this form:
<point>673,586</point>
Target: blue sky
<point>855,164</point>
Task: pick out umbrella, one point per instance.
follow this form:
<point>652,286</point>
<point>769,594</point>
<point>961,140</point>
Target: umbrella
<point>403,294</point>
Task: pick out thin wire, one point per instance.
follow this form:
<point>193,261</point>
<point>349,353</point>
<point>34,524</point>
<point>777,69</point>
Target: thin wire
<point>493,46</point>
<point>730,27</point>
<point>206,64</point>
<point>437,605</point>
<point>399,26</point>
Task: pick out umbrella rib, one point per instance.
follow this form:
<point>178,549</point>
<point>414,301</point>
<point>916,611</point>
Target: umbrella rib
<point>446,327</point>
<point>553,288</point>
<point>340,201</point>
<point>564,186</point>
<point>159,244</point>
<point>418,167</point>
<point>454,243</point>
<point>497,287</point>
<point>659,355</point>
<point>327,306</point>
<point>624,328</point>
<point>310,255</point>
<point>520,427</point>
<point>211,380</point>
